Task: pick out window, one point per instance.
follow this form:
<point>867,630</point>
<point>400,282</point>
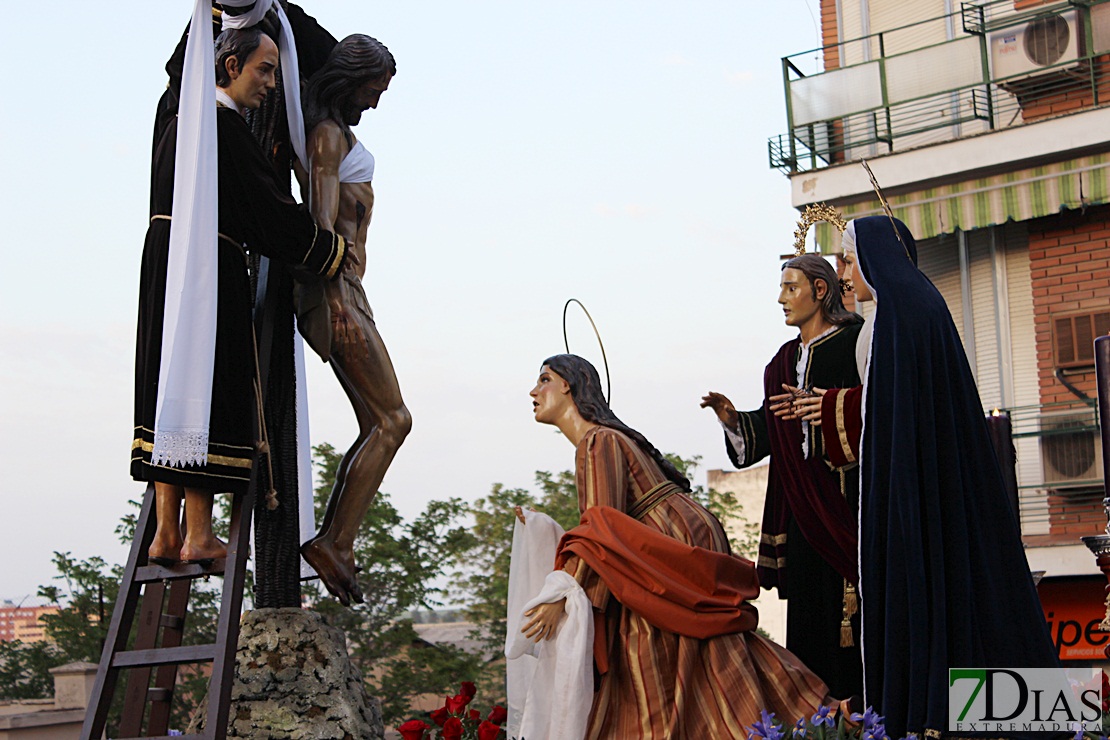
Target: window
<point>1073,338</point>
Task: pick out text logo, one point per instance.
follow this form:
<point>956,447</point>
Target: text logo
<point>1006,700</point>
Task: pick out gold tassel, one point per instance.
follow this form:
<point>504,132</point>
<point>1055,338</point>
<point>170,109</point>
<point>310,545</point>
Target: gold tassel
<point>272,499</point>
<point>851,606</point>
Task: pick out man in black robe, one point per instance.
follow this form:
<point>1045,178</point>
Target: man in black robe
<point>807,547</point>
<point>255,214</point>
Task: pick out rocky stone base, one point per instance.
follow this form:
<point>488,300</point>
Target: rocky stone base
<point>294,681</point>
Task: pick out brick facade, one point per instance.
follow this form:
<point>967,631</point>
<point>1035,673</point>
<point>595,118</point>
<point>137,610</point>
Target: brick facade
<point>1069,260</point>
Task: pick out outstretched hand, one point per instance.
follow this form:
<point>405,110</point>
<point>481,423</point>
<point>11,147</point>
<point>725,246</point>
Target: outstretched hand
<point>723,407</point>
<point>545,618</point>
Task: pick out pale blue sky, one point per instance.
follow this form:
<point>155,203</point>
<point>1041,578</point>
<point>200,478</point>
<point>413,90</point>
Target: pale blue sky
<point>527,152</point>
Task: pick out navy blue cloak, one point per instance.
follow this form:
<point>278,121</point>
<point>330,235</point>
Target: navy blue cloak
<point>944,581</point>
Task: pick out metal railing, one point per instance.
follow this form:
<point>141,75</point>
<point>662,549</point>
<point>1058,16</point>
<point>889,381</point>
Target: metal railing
<point>1059,461</point>
<point>900,88</point>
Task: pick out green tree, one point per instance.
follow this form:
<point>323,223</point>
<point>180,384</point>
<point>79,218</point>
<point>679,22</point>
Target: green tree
<point>25,670</point>
<point>405,565</point>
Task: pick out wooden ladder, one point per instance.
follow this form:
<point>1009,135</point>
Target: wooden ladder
<point>165,596</point>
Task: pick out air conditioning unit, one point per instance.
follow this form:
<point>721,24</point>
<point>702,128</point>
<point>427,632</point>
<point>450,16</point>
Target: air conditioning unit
<point>1047,44</point>
<point>1071,453</point>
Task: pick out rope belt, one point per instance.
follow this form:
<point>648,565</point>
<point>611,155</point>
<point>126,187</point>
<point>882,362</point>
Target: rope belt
<point>657,495</point>
<point>262,443</point>
<point>225,237</point>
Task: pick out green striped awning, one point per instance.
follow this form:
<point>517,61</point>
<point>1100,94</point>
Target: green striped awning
<point>973,204</point>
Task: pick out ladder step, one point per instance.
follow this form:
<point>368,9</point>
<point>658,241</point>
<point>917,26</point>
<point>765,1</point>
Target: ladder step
<point>172,621</point>
<point>165,656</point>
<point>157,694</point>
<point>151,573</point>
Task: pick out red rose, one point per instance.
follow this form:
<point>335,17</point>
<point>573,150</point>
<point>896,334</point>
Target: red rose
<point>456,704</point>
<point>439,716</point>
<point>475,715</point>
<point>452,729</point>
<point>413,730</point>
<point>489,731</point>
<point>467,689</point>
<point>498,715</point>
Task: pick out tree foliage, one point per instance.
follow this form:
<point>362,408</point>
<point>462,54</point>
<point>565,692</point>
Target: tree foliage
<point>406,565</point>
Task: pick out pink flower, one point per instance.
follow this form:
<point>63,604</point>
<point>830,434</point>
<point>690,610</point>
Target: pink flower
<point>413,730</point>
<point>453,729</point>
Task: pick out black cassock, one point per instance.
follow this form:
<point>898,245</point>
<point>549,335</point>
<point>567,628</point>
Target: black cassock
<point>254,214</point>
<point>807,547</point>
<point>943,577</point>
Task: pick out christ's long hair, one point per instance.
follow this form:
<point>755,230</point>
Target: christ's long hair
<point>355,60</point>
<point>585,390</point>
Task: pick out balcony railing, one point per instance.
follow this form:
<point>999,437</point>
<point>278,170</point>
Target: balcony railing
<point>1059,467</point>
<point>996,67</point>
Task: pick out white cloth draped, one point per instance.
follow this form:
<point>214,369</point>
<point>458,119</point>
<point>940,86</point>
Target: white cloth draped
<point>358,165</point>
<point>189,325</point>
<point>550,683</point>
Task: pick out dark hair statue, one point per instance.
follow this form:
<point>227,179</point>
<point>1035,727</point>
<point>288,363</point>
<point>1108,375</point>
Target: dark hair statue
<point>815,267</point>
<point>354,61</point>
<point>585,390</point>
<point>235,42</point>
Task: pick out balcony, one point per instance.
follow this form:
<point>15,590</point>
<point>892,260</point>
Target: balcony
<point>1059,470</point>
<point>987,67</point>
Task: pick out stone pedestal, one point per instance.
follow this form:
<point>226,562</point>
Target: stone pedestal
<point>294,681</point>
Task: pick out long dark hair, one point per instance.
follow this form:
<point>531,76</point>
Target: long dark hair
<point>585,389</point>
<point>355,60</point>
<point>815,267</point>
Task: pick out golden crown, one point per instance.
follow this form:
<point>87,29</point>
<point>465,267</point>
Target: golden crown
<point>814,214</point>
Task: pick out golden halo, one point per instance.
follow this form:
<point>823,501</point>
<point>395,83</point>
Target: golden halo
<point>811,215</point>
<point>566,342</point>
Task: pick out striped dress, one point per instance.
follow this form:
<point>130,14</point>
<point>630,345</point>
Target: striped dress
<point>660,684</point>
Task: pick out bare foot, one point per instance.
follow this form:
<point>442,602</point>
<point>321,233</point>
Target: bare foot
<point>203,552</point>
<point>166,547</point>
<point>338,575</point>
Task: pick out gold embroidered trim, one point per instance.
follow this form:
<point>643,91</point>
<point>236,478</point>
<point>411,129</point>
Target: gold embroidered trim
<point>315,233</point>
<point>248,448</point>
<point>772,539</point>
<point>229,462</point>
<point>841,429</point>
<point>815,345</point>
<point>769,562</point>
<point>341,249</point>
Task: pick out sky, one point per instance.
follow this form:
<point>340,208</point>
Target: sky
<point>527,153</point>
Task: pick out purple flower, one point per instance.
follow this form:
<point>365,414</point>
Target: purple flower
<point>870,718</point>
<point>799,729</point>
<point>767,728</point>
<point>824,716</point>
<point>875,732</point>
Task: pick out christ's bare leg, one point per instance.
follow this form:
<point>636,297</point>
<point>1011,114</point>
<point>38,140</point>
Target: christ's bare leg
<point>371,385</point>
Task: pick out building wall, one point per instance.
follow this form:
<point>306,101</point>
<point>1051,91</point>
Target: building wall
<point>750,488</point>
<point>23,622</point>
<point>1070,270</point>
